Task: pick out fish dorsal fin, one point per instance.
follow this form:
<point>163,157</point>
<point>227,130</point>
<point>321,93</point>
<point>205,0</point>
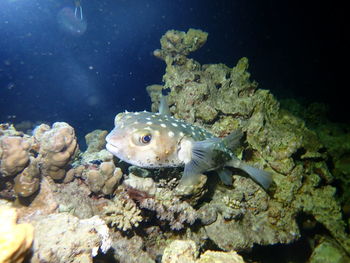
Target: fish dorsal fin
<point>163,106</point>
<point>232,141</point>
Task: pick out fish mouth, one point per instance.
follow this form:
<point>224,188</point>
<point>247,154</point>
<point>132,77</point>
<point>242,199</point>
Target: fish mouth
<point>112,148</point>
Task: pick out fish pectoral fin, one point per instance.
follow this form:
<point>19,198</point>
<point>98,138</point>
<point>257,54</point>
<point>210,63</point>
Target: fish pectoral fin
<point>202,159</point>
<point>225,176</point>
<point>190,178</point>
<point>260,176</point>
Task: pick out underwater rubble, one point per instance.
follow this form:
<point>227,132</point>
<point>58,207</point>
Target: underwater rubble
<point>65,205</point>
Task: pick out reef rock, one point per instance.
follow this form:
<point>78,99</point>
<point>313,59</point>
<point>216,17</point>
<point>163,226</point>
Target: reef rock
<point>58,146</point>
<point>66,238</point>
<point>14,156</point>
<point>222,99</point>
<point>186,251</point>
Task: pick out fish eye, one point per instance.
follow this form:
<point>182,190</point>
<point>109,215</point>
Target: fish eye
<point>145,139</point>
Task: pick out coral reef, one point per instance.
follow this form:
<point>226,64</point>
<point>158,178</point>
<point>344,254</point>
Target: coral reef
<point>47,153</point>
<point>14,155</point>
<point>180,251</point>
<point>220,99</point>
<point>102,178</point>
<point>95,141</point>
<point>122,213</point>
<point>335,138</point>
<point>328,251</point>
<point>58,146</point>
<point>81,204</point>
<point>186,251</point>
<point>130,249</point>
<point>162,200</point>
<point>15,239</point>
<point>65,238</point>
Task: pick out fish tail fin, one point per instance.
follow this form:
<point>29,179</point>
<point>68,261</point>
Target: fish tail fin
<point>260,176</point>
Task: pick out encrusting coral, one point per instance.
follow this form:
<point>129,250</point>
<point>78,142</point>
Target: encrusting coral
<point>15,239</point>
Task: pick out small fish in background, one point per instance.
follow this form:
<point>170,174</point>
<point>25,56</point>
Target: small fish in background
<point>155,140</point>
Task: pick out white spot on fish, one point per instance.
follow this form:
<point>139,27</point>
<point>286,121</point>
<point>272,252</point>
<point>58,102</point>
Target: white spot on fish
<point>174,124</point>
<point>183,125</point>
<point>148,128</point>
<point>182,134</point>
<point>163,125</point>
<point>171,134</point>
<point>136,122</point>
<point>149,123</point>
<point>136,113</point>
<point>148,118</point>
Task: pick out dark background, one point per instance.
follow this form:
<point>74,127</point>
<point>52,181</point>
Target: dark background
<point>50,74</point>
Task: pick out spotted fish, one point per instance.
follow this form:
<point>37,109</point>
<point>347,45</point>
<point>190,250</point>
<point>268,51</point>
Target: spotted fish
<point>154,140</point>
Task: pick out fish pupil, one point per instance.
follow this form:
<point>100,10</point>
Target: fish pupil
<point>146,138</point>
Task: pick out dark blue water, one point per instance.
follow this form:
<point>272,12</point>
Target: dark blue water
<point>54,67</point>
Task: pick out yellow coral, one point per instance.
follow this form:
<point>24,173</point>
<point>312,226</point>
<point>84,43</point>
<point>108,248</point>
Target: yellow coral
<point>15,239</point>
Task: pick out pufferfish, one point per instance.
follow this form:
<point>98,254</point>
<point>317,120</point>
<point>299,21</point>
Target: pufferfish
<point>155,140</point>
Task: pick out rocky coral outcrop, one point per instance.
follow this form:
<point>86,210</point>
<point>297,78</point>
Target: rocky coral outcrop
<point>162,200</point>
<point>58,146</point>
<point>14,155</point>
<point>65,238</point>
<point>180,251</point>
<point>27,158</point>
<point>103,178</point>
<point>222,99</point>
